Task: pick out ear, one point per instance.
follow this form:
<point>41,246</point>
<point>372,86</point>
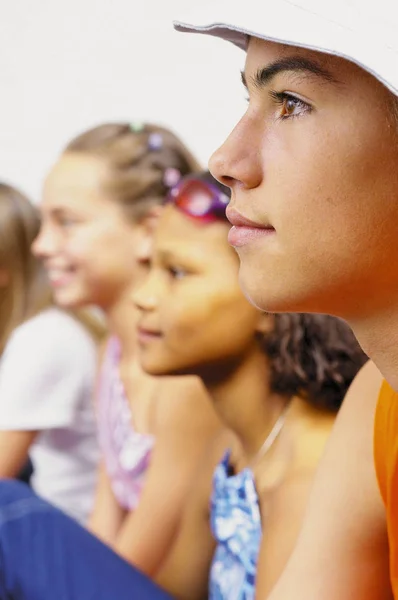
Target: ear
<point>266,323</point>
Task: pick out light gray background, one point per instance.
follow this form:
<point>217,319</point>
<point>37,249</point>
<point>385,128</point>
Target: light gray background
<point>66,65</point>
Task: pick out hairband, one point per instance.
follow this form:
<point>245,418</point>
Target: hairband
<point>155,141</point>
<point>171,177</point>
<point>137,126</point>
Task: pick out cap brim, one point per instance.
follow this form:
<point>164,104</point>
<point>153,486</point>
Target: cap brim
<point>367,39</point>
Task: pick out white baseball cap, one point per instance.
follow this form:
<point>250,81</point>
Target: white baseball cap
<point>362,31</point>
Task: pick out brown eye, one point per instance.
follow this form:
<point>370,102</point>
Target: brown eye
<point>177,273</point>
<point>289,107</point>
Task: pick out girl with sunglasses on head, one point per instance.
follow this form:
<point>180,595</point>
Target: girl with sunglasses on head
<point>99,205</point>
<point>276,382</point>
<point>47,371</point>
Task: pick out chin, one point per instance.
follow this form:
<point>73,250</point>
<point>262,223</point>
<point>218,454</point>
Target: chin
<point>157,372</point>
<point>152,367</point>
<point>272,296</point>
<point>68,300</point>
<point>161,369</point>
<point>261,296</point>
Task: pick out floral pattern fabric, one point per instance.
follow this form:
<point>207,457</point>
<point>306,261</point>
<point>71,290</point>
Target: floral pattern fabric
<point>236,525</point>
<point>127,453</point>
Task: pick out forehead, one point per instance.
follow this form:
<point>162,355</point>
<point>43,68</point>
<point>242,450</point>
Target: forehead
<point>179,233</point>
<point>262,53</point>
<point>73,178</point>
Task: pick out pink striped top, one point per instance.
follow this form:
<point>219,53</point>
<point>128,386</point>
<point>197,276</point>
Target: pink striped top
<point>126,452</point>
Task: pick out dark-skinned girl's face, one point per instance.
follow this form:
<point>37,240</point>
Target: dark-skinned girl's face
<point>193,314</point>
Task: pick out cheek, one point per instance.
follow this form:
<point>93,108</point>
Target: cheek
<point>104,247</point>
<point>211,326</point>
<point>84,242</point>
<point>184,321</point>
<point>323,180</point>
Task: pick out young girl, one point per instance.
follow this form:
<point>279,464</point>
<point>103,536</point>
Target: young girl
<point>47,372</point>
<point>99,203</point>
<point>276,382</point>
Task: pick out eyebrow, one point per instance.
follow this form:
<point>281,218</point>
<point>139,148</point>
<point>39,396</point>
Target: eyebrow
<point>169,255</point>
<point>297,64</point>
<point>165,255</point>
<point>59,211</point>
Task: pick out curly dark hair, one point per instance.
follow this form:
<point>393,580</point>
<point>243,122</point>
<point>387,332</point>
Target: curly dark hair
<point>315,357</point>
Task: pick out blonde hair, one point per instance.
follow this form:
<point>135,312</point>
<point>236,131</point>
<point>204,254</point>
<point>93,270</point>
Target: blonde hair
<point>26,291</point>
<point>140,158</point>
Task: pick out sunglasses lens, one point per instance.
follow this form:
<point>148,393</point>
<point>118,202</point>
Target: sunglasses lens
<point>194,198</point>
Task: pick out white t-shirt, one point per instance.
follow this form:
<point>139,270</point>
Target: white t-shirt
<point>47,375</point>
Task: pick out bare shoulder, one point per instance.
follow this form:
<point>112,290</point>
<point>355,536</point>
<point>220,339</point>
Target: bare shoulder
<point>365,388</point>
<point>344,522</point>
<point>355,420</point>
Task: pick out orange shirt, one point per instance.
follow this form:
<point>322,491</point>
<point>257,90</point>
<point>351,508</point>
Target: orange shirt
<point>386,461</point>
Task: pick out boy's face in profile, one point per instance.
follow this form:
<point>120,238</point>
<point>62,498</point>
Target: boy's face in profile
<point>314,163</point>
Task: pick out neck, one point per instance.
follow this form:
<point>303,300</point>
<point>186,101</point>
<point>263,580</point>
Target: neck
<point>244,403</point>
<point>121,317</point>
<point>378,336</point>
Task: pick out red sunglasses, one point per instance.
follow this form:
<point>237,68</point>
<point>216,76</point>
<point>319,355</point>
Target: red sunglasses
<point>199,199</point>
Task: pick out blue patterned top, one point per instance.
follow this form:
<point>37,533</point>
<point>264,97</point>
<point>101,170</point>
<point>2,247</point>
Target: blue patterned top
<point>236,524</point>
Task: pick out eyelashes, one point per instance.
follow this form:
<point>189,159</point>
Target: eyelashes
<point>177,273</point>
<point>290,105</point>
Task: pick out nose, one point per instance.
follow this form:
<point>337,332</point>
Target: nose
<point>238,161</point>
<point>144,248</point>
<point>145,296</point>
<point>45,244</point>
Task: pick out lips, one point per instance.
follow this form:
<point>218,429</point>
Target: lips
<point>244,230</point>
<point>59,277</point>
<point>238,220</point>
<point>147,334</point>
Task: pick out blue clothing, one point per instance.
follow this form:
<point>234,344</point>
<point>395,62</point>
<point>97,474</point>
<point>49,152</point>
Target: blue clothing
<point>236,525</point>
<point>45,555</point>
